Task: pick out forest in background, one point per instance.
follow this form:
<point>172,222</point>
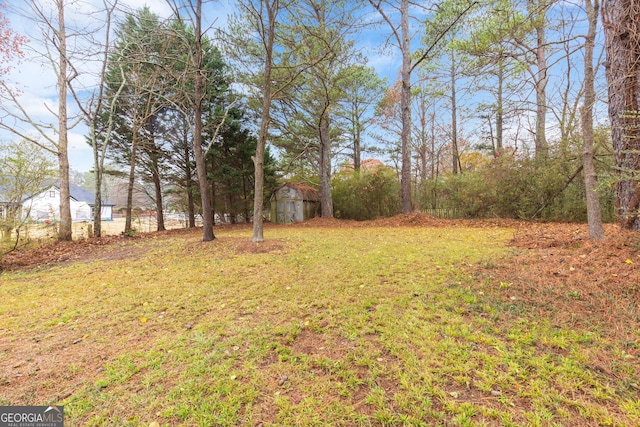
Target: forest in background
<point>497,108</point>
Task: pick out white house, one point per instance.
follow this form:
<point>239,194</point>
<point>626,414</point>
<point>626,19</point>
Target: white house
<point>45,206</point>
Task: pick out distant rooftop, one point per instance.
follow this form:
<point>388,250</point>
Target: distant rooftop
<point>78,193</point>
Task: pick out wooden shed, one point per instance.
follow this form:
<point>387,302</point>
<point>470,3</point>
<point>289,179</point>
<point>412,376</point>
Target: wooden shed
<point>294,203</point>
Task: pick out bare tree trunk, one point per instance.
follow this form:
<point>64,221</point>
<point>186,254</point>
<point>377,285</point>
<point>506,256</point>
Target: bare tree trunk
<point>542,147</point>
<point>405,110</point>
<point>404,41</point>
<point>64,231</point>
<point>131,183</point>
<point>92,110</point>
<point>97,204</point>
<point>500,109</point>
<point>157,186</point>
<point>189,183</point>
<point>326,202</point>
<point>245,200</point>
<point>212,189</point>
<point>155,153</point>
<point>422,149</point>
<point>258,160</point>
<point>594,218</point>
<point>191,205</point>
<point>434,158</point>
<point>454,118</point>
<point>207,212</point>
<point>494,151</point>
<point>621,20</point>
<point>356,145</point>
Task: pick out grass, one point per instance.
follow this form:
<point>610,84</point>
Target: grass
<point>318,326</point>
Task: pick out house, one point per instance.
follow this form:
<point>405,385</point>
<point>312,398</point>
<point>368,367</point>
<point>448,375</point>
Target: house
<point>365,165</point>
<point>294,203</point>
<point>45,206</point>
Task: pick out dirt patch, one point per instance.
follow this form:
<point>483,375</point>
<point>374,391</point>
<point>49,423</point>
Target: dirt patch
<point>39,363</point>
<point>45,254</point>
<point>315,344</point>
<point>233,246</point>
<point>48,254</point>
<point>245,246</point>
<point>64,359</point>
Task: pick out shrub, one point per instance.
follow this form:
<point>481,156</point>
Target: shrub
<point>514,188</point>
<point>366,194</point>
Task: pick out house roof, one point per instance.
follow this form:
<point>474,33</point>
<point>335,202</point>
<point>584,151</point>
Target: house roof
<point>7,189</point>
<point>78,193</point>
<point>366,164</point>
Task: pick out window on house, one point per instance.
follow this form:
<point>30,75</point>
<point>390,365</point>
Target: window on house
<point>52,194</point>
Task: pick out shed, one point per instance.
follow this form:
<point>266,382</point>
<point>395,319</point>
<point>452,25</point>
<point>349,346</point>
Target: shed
<point>294,203</point>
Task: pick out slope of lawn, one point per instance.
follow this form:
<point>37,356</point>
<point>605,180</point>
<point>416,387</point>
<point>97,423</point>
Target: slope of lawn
<point>317,326</point>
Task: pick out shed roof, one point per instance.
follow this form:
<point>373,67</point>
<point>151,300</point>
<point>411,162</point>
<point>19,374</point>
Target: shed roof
<point>308,193</point>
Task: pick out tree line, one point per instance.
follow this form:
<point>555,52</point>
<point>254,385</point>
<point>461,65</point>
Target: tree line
<point>491,114</point>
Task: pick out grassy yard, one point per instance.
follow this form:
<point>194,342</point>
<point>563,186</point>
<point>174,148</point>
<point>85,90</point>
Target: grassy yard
<point>332,325</point>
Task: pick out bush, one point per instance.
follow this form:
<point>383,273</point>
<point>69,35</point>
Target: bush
<point>367,194</point>
<point>514,188</point>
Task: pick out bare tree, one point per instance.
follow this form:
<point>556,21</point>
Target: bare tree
<point>590,178</point>
<point>538,11</point>
<point>19,121</point>
<point>95,106</point>
<point>260,19</point>
<point>196,77</point>
<point>310,107</point>
<point>401,34</point>
<point>265,18</point>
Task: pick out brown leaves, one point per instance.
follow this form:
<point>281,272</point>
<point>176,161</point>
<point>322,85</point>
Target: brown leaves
<point>579,281</point>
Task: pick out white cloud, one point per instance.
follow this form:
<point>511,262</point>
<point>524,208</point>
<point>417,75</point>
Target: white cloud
<point>80,153</point>
<point>159,7</point>
<point>386,64</point>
